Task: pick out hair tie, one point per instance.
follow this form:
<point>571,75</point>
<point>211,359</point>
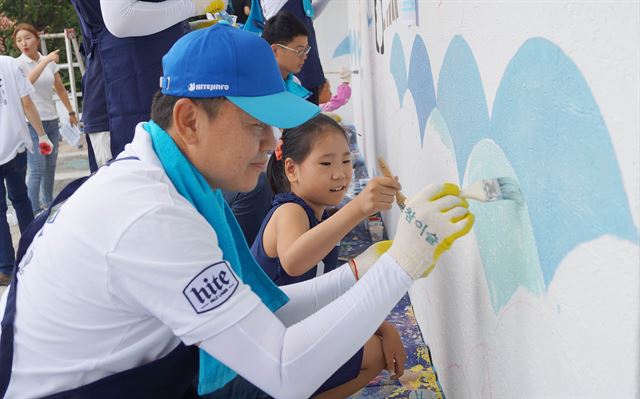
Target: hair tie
<point>278,150</point>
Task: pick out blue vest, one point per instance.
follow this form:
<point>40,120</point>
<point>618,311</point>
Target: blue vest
<point>127,70</point>
<point>94,96</point>
<point>272,266</point>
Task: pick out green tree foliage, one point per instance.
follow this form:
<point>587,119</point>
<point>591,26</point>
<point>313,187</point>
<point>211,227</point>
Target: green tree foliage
<point>48,16</point>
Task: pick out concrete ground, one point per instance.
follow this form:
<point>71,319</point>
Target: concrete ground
<point>72,163</point>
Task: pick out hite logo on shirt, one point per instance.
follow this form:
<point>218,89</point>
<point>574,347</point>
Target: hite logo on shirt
<point>211,287</point>
<point>207,86</point>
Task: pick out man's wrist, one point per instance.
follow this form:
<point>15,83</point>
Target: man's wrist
<point>71,113</point>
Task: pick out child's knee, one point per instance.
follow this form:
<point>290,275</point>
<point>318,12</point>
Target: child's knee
<point>373,355</point>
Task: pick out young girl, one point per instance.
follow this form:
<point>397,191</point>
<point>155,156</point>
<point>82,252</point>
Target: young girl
<point>310,171</point>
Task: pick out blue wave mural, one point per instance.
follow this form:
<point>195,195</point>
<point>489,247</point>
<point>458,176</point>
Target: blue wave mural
<point>547,131</point>
<point>350,45</point>
<point>419,82</point>
<point>343,48</point>
<point>399,68</point>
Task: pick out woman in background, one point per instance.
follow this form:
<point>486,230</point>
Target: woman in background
<point>43,74</point>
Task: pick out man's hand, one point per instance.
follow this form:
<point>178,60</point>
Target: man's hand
<point>393,349</point>
<point>428,226</point>
<point>45,145</point>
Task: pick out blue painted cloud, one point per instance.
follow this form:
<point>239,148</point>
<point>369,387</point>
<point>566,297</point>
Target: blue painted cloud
<point>548,125</point>
<point>349,45</point>
<point>398,67</point>
<point>343,48</point>
<point>419,81</point>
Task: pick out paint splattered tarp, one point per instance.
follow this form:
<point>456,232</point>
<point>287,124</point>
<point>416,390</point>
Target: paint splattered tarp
<point>419,380</point>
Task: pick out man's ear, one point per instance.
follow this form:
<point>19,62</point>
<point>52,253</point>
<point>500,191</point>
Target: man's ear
<point>291,170</point>
<point>185,113</point>
<point>273,48</point>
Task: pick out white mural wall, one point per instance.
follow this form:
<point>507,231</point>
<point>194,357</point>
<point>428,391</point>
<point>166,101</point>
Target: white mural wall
<point>542,299</point>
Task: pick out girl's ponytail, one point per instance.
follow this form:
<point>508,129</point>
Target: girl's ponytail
<point>275,170</point>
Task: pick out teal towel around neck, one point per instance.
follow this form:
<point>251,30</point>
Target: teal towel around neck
<point>294,87</point>
<point>210,204</point>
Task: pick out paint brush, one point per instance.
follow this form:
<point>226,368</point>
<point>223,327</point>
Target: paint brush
<point>400,198</point>
<point>496,189</point>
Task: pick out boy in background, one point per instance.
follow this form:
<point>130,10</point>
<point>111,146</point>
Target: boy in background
<point>289,40</point>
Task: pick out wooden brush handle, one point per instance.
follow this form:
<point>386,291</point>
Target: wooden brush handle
<point>400,198</point>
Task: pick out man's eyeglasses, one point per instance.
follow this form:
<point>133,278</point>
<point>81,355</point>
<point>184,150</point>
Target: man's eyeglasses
<point>300,53</point>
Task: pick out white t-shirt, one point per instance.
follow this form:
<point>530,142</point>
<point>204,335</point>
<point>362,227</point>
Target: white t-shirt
<point>43,96</point>
<point>14,135</point>
<point>141,280</point>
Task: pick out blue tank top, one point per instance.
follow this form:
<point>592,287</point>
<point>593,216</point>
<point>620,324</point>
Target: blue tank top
<point>272,266</point>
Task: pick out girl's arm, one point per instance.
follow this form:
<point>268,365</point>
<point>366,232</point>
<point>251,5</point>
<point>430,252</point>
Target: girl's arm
<point>35,73</point>
<point>64,97</point>
<point>300,248</point>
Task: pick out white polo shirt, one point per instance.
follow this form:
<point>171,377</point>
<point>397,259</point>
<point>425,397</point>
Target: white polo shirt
<point>116,278</point>
<point>43,96</point>
<point>14,135</point>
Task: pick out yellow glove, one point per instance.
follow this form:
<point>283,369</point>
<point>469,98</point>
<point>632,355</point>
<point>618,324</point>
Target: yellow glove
<point>430,223</point>
<point>209,6</point>
<point>363,262</point>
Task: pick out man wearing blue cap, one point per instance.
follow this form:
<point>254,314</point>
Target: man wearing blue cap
<point>119,311</point>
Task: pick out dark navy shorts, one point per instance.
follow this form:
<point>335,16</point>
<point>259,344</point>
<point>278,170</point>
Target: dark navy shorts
<point>239,388</point>
<point>346,373</point>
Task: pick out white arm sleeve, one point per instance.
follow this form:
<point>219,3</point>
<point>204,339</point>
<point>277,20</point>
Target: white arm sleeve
<point>318,7</point>
<point>293,362</point>
<point>271,7</point>
<point>309,296</point>
<point>126,18</point>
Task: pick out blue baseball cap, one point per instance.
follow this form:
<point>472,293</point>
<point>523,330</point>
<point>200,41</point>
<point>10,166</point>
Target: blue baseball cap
<point>223,61</point>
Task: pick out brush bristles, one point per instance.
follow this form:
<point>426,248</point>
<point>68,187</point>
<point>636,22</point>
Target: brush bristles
<point>510,189</point>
